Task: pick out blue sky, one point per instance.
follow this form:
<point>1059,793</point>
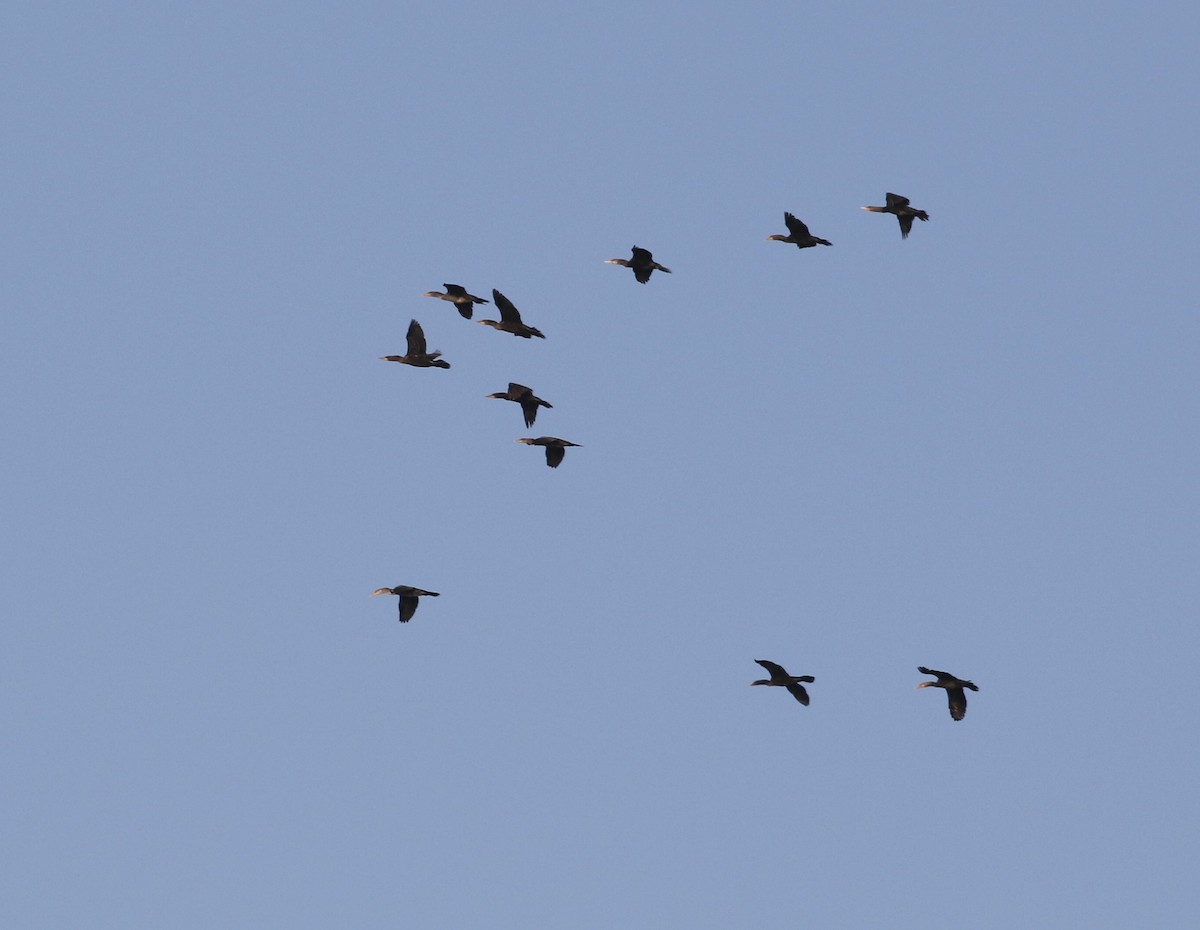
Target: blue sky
<point>973,450</point>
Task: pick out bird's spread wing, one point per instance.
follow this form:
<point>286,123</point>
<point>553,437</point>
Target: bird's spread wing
<point>895,200</point>
<point>508,313</point>
<point>642,255</point>
<point>958,702</point>
<point>795,226</point>
<point>408,606</point>
<point>554,455</point>
<point>517,391</point>
<point>940,676</point>
<point>796,690</point>
<point>905,224</point>
<point>775,670</point>
<point>455,290</point>
<point>416,339</point>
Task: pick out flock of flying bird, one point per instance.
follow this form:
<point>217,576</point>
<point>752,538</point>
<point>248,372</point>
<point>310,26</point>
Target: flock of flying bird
<point>643,265</point>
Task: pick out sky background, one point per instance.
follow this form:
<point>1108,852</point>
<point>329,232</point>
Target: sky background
<point>975,450</point>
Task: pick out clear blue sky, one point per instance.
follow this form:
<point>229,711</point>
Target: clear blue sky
<point>975,450</point>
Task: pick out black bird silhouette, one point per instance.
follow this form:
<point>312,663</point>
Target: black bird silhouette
<point>903,212</point>
<point>798,234</point>
<point>417,356</point>
<point>525,397</point>
<point>510,319</point>
<point>642,263</point>
<point>954,689</point>
<point>555,448</point>
<point>408,598</point>
<point>781,679</point>
<point>457,295</point>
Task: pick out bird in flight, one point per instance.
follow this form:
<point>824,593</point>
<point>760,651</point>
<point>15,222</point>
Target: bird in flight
<point>798,234</point>
<point>781,679</point>
<point>642,263</point>
<point>510,319</point>
<point>954,689</point>
<point>898,206</point>
<point>408,598</point>
<point>555,448</point>
<point>526,398</point>
<point>417,355</point>
<point>457,295</point>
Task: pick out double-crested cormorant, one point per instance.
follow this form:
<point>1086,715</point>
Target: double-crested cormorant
<point>510,319</point>
<point>954,689</point>
<point>555,448</point>
<point>904,213</point>
<point>642,263</point>
<point>525,397</point>
<point>457,295</point>
<point>408,598</point>
<point>798,234</point>
<point>781,679</point>
<point>417,355</point>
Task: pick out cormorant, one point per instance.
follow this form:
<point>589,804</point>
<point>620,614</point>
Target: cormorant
<point>525,397</point>
<point>408,598</point>
<point>457,295</point>
<point>417,355</point>
<point>555,448</point>
<point>642,263</point>
<point>904,213</point>
<point>798,234</point>
<point>781,679</point>
<point>510,319</point>
<point>954,689</point>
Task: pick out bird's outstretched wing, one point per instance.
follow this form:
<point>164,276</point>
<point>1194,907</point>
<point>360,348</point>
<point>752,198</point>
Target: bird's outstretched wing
<point>775,670</point>
<point>958,702</point>
<point>408,606</point>
<point>508,312</point>
<point>416,339</point>
<point>796,690</point>
<point>796,227</point>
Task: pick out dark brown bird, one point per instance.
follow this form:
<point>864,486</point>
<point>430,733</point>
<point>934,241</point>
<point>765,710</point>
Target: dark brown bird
<point>510,319</point>
<point>642,263</point>
<point>457,295</point>
<point>954,689</point>
<point>408,598</point>
<point>798,234</point>
<point>417,355</point>
<point>903,212</point>
<point>781,679</point>
<point>555,448</point>
<point>525,397</point>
